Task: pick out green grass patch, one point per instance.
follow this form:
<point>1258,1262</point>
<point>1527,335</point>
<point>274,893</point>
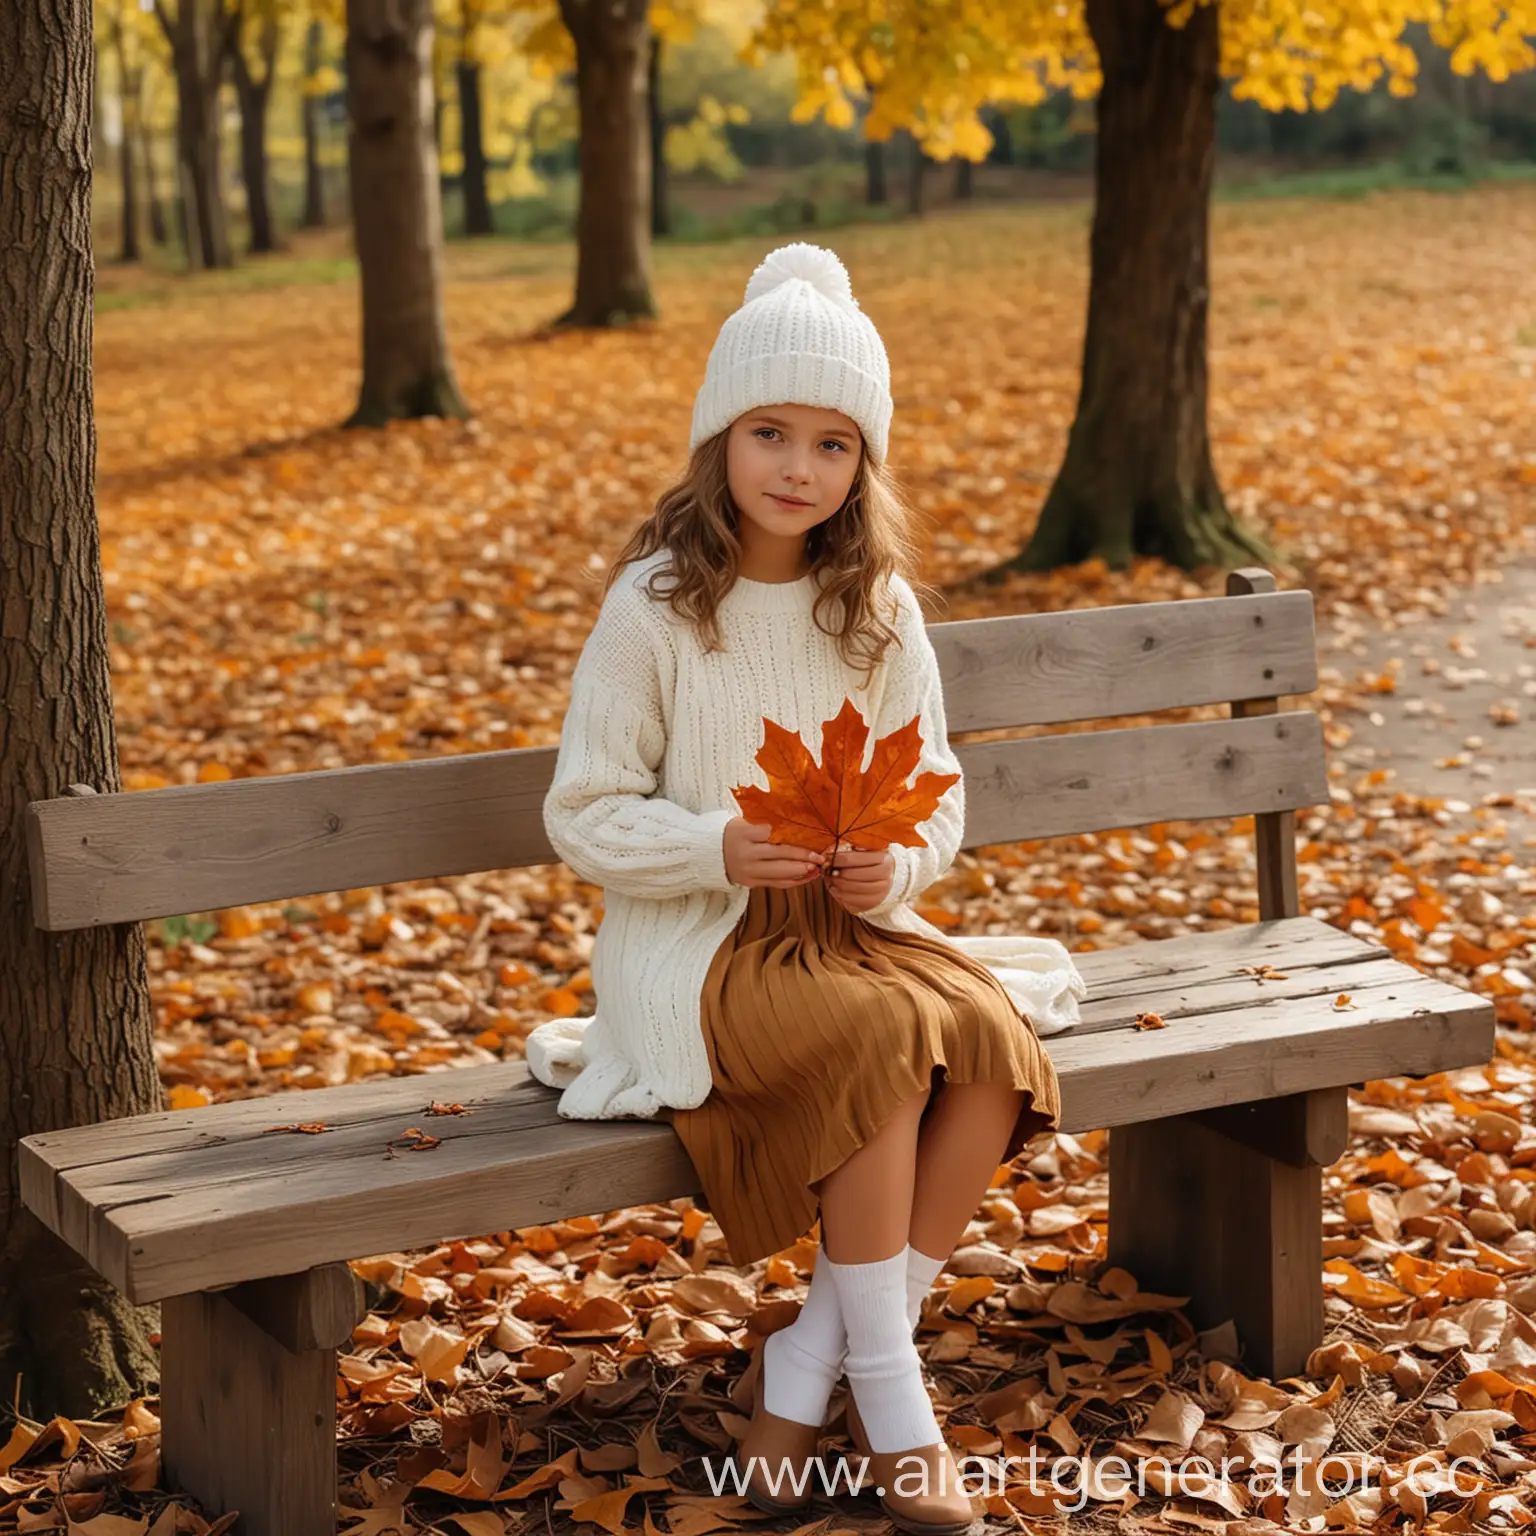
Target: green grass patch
<point>160,283</point>
<point>1362,181</point>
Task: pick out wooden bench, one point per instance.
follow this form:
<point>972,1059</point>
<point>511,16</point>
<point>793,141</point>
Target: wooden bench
<point>1221,1121</point>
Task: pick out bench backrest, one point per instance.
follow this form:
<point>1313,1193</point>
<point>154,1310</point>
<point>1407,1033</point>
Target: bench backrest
<point>97,859</point>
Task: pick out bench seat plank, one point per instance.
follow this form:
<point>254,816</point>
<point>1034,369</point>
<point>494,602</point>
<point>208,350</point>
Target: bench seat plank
<point>187,1200</point>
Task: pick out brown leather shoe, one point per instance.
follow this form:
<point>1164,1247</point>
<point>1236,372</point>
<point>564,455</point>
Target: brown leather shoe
<point>943,1510</point>
<point>776,1450</point>
<point>940,1506</point>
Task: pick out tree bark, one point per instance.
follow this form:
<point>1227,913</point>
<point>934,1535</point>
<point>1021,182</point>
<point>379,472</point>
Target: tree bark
<point>129,250</point>
<point>128,82</point>
<point>314,187</point>
<point>661,202</point>
<point>477,202</point>
<point>1002,150</point>
<point>197,35</point>
<point>1138,478</point>
<point>613,224</point>
<point>876,192</point>
<point>255,95</point>
<point>965,179</point>
<point>75,1015</point>
<point>157,230</point>
<point>917,167</point>
<point>397,213</point>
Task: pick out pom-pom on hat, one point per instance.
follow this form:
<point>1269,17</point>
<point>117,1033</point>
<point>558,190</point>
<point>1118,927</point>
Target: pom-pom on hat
<point>799,338</point>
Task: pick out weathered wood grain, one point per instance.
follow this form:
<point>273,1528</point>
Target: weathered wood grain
<point>315,1309</point>
<point>1274,832</point>
<point>1054,785</point>
<point>1194,1214</point>
<point>194,1198</point>
<point>1135,659</point>
<point>1302,1129</point>
<point>198,847</point>
<point>247,1424</point>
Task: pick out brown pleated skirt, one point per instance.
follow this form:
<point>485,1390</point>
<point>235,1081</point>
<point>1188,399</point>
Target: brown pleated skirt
<point>819,1025</point>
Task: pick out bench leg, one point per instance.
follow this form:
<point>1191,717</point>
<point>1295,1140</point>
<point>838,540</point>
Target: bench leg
<point>1195,1213</point>
<point>247,1421</point>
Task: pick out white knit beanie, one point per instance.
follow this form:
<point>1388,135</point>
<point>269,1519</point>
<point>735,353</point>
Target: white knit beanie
<point>799,338</point>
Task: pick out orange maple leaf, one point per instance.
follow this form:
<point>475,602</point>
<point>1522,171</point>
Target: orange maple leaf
<point>837,802</point>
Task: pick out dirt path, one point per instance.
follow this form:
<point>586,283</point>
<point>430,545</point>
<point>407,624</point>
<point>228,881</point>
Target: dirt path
<point>1455,679</point>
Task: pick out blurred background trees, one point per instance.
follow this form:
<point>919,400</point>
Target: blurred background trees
<point>749,145</point>
<point>688,120</point>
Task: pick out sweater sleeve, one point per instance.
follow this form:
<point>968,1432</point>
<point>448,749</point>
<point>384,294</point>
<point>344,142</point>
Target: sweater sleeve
<point>602,813</point>
<point>914,687</point>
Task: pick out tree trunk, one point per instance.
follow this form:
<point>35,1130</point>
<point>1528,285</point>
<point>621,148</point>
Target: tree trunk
<point>917,166</point>
<point>130,246</point>
<point>75,1015</point>
<point>1002,149</point>
<point>183,202</point>
<point>198,41</point>
<point>255,95</point>
<point>661,202</point>
<point>875,190</point>
<point>965,179</point>
<point>477,202</point>
<point>128,86</point>
<point>157,230</point>
<point>314,188</point>
<point>613,278</point>
<point>397,213</point>
<point>1137,478</point>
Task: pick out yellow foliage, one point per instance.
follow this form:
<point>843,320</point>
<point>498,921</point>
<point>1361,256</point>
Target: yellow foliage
<point>930,65</point>
<point>324,80</point>
<point>702,145</point>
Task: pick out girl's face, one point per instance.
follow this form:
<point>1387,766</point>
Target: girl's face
<point>789,467</point>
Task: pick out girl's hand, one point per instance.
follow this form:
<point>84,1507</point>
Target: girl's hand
<point>750,859</point>
<point>861,878</point>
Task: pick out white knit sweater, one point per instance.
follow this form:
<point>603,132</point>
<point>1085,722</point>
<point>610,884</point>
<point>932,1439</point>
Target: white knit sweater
<point>656,736</point>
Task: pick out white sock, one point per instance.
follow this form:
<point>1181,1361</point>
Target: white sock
<point>922,1271</point>
<point>801,1363</point>
<point>809,1355</point>
<point>883,1367</point>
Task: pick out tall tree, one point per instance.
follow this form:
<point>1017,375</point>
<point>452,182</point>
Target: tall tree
<point>254,39</point>
<point>875,192</point>
<point>121,33</point>
<point>397,213</point>
<point>917,171</point>
<point>478,219</point>
<point>1138,476</point>
<point>314,181</point>
<point>661,206</point>
<point>613,223</point>
<point>614,47</point>
<point>158,231</point>
<point>198,33</point>
<point>75,1014</point>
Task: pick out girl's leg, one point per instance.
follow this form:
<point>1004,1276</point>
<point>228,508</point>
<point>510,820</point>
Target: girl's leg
<point>963,1140</point>
<point>866,1203</point>
<point>960,1142</point>
<point>866,1210</point>
<point>868,1199</point>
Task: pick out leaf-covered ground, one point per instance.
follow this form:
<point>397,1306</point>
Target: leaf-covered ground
<point>284,595</point>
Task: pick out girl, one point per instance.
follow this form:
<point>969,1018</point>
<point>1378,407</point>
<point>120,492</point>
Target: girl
<point>818,1047</point>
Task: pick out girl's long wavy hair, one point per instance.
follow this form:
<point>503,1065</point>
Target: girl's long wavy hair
<point>855,552</point>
